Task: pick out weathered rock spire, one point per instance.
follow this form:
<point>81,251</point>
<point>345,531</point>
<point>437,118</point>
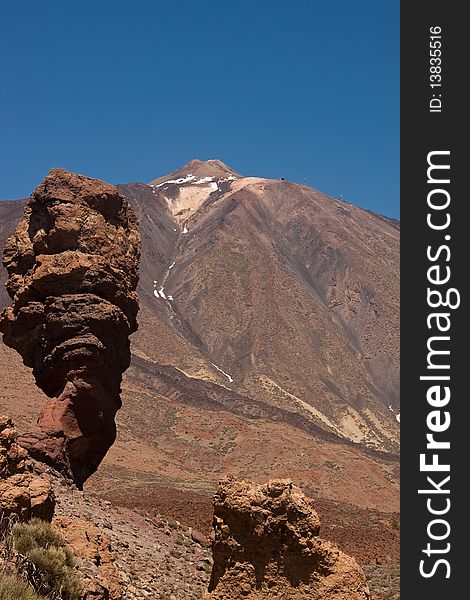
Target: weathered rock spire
<point>73,270</point>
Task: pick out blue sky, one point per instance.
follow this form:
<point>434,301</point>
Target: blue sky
<point>128,91</point>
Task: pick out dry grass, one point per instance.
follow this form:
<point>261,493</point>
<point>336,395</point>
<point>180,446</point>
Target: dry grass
<point>13,588</point>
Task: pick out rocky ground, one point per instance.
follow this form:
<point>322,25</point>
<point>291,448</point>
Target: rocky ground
<point>156,557</point>
<point>384,580</point>
<point>133,552</point>
<point>369,535</point>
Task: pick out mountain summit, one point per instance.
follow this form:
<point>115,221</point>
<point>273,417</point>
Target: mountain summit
<point>199,169</point>
<point>188,188</point>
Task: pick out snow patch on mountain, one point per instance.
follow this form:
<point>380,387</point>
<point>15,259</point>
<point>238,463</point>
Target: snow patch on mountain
<point>397,416</point>
<point>229,377</point>
<point>178,181</point>
<point>159,293</point>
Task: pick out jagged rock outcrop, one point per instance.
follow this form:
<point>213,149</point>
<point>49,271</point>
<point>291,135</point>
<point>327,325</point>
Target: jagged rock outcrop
<point>23,492</point>
<point>267,546</point>
<point>73,270</point>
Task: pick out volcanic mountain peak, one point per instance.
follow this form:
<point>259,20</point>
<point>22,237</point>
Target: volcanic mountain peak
<point>196,170</point>
<point>187,188</point>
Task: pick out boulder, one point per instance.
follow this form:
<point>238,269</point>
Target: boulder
<point>200,538</point>
<point>267,546</point>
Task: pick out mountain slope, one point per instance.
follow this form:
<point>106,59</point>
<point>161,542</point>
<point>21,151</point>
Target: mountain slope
<point>294,295</point>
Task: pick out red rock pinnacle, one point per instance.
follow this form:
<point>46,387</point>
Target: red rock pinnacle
<point>73,270</point>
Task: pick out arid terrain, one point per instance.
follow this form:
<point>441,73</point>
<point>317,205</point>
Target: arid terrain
<point>267,347</point>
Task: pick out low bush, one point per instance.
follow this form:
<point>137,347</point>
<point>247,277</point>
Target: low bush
<point>48,563</point>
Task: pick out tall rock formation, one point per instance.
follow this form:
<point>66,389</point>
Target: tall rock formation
<point>267,546</point>
<point>73,270</point>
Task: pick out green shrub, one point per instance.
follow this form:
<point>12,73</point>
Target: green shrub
<point>396,524</point>
<point>12,588</point>
<point>49,565</point>
<point>37,533</point>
